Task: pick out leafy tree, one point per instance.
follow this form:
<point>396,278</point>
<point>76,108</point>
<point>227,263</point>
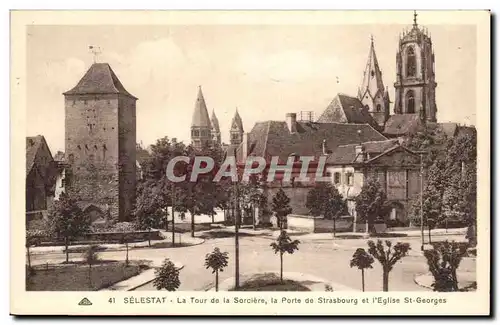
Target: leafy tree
<point>127,229</point>
<point>216,261</point>
<point>149,211</point>
<point>91,257</point>
<point>443,261</point>
<point>284,244</point>
<point>324,199</point>
<point>362,260</point>
<point>281,207</point>
<point>167,277</point>
<point>371,203</point>
<point>67,220</point>
<point>387,257</point>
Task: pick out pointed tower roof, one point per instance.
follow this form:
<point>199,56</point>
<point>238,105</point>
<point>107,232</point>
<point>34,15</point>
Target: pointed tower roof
<point>372,77</point>
<point>200,114</point>
<point>215,121</point>
<point>237,123</point>
<point>99,79</point>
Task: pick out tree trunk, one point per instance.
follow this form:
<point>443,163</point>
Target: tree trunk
<point>213,218</point>
<point>455,279</point>
<point>236,256</point>
<point>173,227</point>
<point>90,275</point>
<point>430,241</point>
<point>126,257</point>
<point>66,244</point>
<point>363,279</point>
<point>192,224</point>
<point>334,226</point>
<point>281,267</point>
<point>149,237</point>
<point>216,280</point>
<point>385,279</point>
<point>28,256</point>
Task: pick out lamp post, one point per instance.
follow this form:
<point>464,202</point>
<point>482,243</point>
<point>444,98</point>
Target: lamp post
<point>422,201</point>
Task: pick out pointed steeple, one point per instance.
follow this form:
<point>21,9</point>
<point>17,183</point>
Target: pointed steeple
<point>237,123</point>
<point>214,121</point>
<point>200,114</point>
<point>236,131</point>
<point>216,136</point>
<point>372,84</point>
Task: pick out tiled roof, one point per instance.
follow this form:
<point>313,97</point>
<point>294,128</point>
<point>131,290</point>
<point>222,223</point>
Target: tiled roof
<point>200,114</point>
<point>346,109</point>
<point>346,154</point>
<point>99,79</point>
<point>33,144</point>
<point>272,138</point>
<point>401,124</point>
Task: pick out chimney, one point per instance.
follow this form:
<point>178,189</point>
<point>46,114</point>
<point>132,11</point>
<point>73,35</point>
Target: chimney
<point>324,147</point>
<point>360,153</point>
<point>291,122</point>
<point>244,147</point>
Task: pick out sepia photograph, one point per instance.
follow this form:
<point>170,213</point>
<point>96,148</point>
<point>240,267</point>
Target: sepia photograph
<point>222,156</point>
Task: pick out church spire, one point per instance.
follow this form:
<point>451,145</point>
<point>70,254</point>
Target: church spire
<point>372,84</point>
<point>215,128</point>
<point>201,128</point>
<point>236,131</point>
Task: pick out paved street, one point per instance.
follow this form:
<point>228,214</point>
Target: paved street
<point>328,259</point>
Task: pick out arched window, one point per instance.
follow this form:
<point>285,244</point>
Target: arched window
<point>410,102</point>
<point>411,62</point>
<point>379,108</point>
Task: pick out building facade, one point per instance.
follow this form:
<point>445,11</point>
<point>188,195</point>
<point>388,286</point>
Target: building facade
<point>397,169</point>
<point>100,143</point>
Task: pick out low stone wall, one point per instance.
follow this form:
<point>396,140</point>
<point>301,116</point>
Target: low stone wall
<point>318,224</point>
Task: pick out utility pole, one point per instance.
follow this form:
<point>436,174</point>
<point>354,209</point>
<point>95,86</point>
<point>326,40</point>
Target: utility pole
<point>422,201</point>
<point>236,238</point>
<point>173,215</point>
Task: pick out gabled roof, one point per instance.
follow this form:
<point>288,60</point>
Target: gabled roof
<point>99,79</point>
<point>273,138</point>
<point>346,109</point>
<point>33,144</point>
<point>346,154</point>
<point>401,124</point>
<point>200,114</point>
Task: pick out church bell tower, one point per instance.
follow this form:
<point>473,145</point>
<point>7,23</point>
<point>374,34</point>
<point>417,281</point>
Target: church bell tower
<point>415,85</point>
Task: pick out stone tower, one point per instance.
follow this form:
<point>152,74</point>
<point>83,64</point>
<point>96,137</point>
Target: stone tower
<point>415,75</point>
<point>201,128</point>
<point>100,144</point>
<point>216,136</point>
<point>372,92</point>
<point>236,131</point>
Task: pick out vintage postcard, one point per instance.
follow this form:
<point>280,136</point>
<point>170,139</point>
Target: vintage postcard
<point>250,163</point>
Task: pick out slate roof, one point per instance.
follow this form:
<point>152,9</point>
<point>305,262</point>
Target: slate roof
<point>200,114</point>
<point>272,138</point>
<point>99,79</point>
<point>401,124</point>
<point>346,109</point>
<point>346,154</point>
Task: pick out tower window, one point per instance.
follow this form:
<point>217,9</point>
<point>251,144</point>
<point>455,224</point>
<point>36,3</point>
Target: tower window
<point>411,62</point>
<point>410,102</point>
<point>379,108</point>
<point>373,73</point>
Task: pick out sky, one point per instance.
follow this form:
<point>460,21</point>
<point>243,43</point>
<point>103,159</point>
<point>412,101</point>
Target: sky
<point>265,71</point>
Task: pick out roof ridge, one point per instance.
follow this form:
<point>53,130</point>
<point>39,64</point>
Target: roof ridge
<point>266,139</point>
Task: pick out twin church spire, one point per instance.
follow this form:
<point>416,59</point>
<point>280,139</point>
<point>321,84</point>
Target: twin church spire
<point>205,131</point>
